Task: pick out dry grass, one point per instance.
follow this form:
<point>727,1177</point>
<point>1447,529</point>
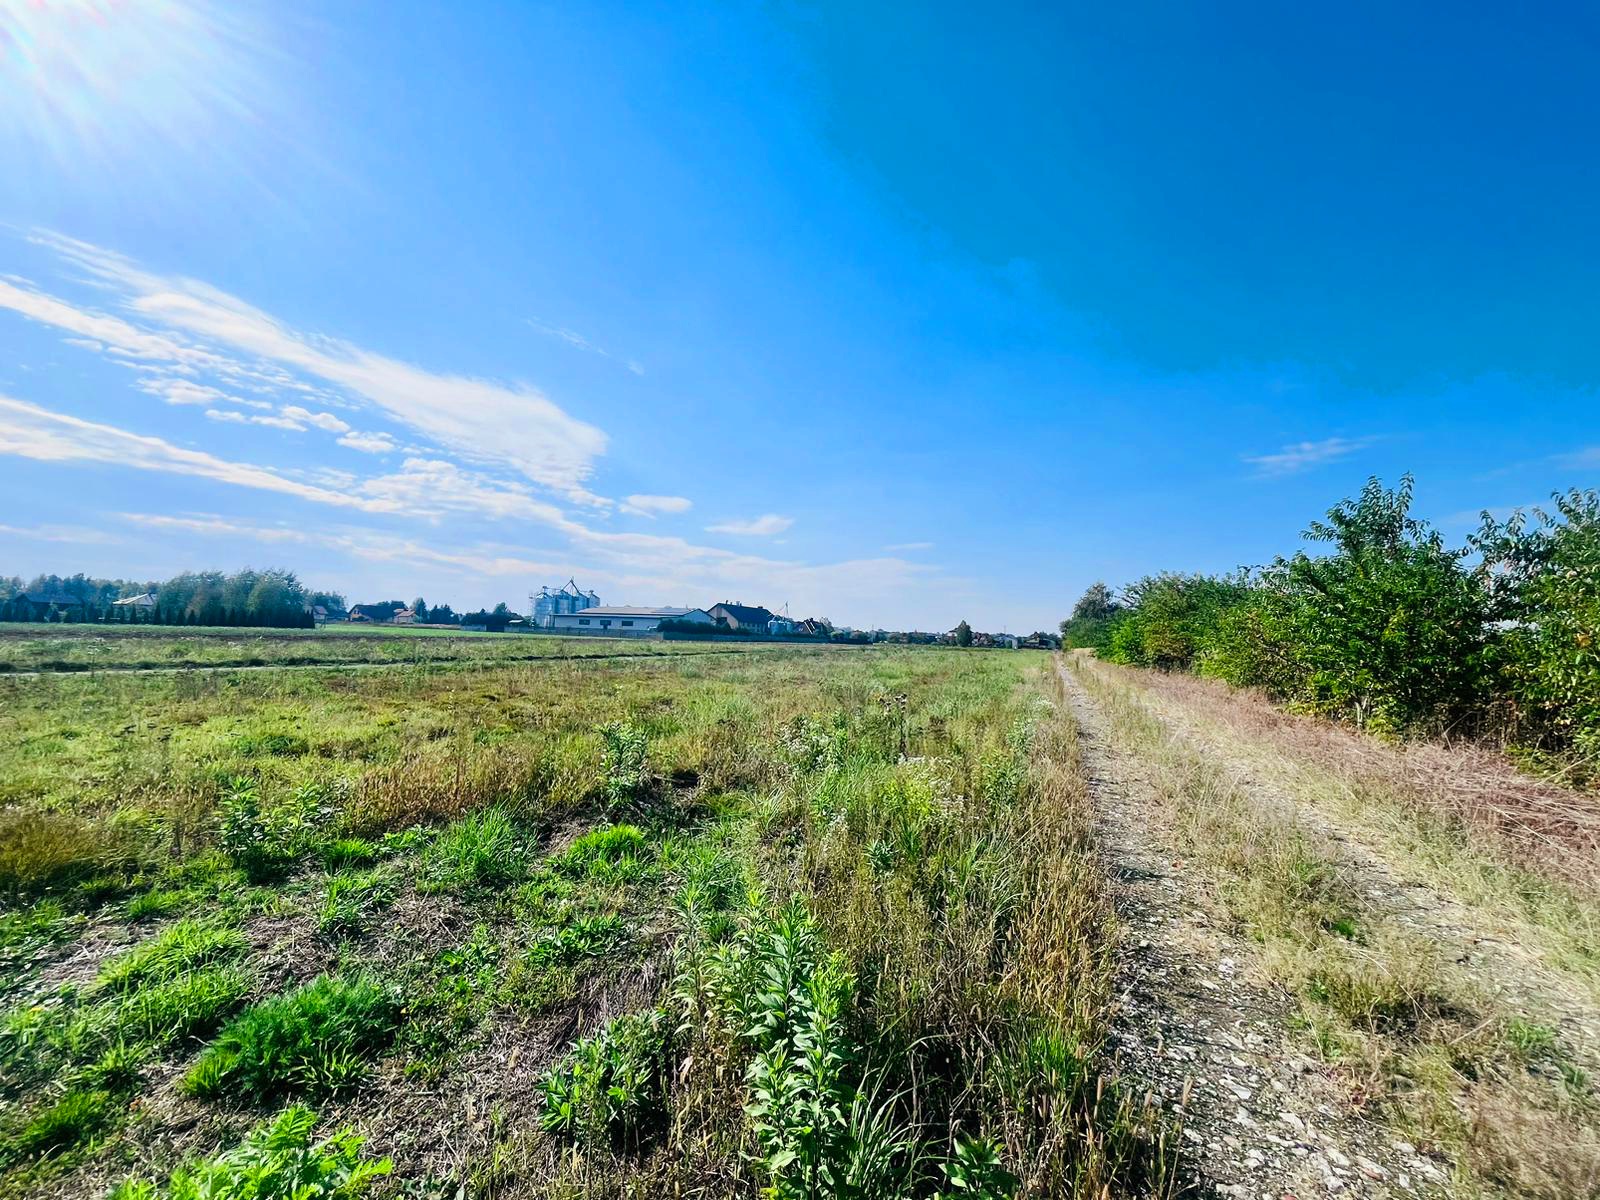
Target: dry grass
<point>1533,822</point>
<point>1453,1069</point>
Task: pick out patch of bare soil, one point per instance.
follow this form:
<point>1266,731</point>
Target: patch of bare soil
<point>1260,1119</point>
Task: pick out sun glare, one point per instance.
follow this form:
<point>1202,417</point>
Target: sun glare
<point>119,88</point>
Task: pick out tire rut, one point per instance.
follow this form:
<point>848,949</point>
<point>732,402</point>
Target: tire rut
<point>1260,1118</point>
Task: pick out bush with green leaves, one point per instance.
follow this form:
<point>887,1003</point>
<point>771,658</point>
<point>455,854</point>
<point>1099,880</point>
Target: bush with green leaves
<point>1169,619</point>
<point>1546,580</point>
<point>772,996</point>
<point>317,1037</point>
<point>263,839</point>
<point>611,1088</point>
<point>624,762</point>
<point>276,1161</point>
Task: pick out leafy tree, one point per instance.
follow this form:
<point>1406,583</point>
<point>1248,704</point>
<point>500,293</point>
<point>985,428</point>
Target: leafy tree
<point>1093,618</point>
<point>419,606</point>
<point>1390,628</point>
<point>1544,585</point>
<point>963,634</point>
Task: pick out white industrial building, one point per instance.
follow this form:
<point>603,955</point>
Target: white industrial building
<point>623,619</point>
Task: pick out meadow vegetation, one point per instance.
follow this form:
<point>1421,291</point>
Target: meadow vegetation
<point>1390,629</point>
<point>789,923</point>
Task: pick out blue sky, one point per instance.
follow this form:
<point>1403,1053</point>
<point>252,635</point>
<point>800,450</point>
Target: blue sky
<point>890,313</point>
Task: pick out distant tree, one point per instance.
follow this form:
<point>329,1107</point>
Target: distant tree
<point>419,606</point>
<point>963,634</point>
<point>1095,604</point>
<point>443,614</point>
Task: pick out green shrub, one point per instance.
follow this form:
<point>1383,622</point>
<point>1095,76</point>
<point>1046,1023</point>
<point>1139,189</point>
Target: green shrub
<point>1547,584</point>
<point>314,1038</point>
<point>483,849</point>
<point>276,1161</point>
<point>624,762</point>
<point>264,840</point>
<point>611,1088</point>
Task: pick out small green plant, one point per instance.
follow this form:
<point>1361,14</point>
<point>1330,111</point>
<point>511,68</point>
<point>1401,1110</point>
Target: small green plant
<point>342,853</point>
<point>349,899</point>
<point>302,1039</point>
<point>263,841</point>
<point>483,849</point>
<point>605,847</point>
<point>73,1121</point>
<point>624,762</point>
<point>975,1171</point>
<point>276,1161</point>
<point>173,952</point>
<point>611,1089</point>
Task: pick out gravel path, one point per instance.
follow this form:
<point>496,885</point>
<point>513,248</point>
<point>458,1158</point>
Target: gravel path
<point>1260,1118</point>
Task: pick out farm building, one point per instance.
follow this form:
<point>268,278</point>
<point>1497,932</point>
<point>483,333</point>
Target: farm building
<point>143,600</point>
<point>559,602</point>
<point>623,619</point>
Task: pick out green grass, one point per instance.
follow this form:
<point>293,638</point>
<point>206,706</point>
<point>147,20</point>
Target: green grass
<point>922,808</point>
<point>316,1038</point>
<point>170,953</point>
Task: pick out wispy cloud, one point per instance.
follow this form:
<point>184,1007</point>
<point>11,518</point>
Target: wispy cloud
<point>765,526</point>
<point>33,432</point>
<point>195,330</point>
<point>78,535</point>
<point>369,443</point>
<point>1302,456</point>
<point>907,547</point>
<point>1581,460</point>
<point>649,506</point>
<point>578,342</point>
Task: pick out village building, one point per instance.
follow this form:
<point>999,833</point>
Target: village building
<point>142,600</point>
<point>742,616</point>
<point>623,619</point>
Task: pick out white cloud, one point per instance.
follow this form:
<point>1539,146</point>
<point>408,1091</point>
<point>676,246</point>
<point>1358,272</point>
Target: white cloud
<point>908,547</point>
<point>1302,456</point>
<point>37,433</point>
<point>322,420</point>
<point>368,443</point>
<point>233,416</point>
<point>649,506</point>
<point>509,424</point>
<point>764,526</point>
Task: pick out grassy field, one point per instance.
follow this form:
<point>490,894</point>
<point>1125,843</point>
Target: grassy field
<point>791,922</point>
<point>65,648</point>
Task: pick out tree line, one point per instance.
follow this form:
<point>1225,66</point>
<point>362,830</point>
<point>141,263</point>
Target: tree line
<point>1391,628</point>
<point>272,598</point>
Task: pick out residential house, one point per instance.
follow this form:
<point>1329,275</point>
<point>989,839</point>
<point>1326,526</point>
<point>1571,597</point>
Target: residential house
<point>143,600</point>
<point>406,616</point>
<point>741,616</point>
<point>623,619</point>
<point>49,604</point>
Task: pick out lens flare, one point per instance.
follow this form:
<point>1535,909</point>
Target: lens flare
<point>115,91</point>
